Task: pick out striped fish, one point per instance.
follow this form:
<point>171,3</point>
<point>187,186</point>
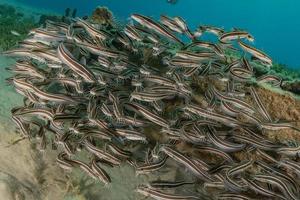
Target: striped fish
<point>187,162</point>
<point>147,114</point>
<point>236,35</point>
<point>159,195</point>
<point>67,58</point>
<point>149,23</point>
<point>92,31</point>
<point>256,53</point>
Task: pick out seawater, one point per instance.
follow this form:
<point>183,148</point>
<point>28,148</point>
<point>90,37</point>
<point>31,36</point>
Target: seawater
<point>275,24</point>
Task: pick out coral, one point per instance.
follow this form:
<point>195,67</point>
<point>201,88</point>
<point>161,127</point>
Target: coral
<point>45,17</point>
<point>102,15</point>
<point>293,86</point>
<point>289,111</point>
<point>74,13</point>
<point>67,12</point>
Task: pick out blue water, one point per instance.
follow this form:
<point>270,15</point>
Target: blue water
<point>275,24</point>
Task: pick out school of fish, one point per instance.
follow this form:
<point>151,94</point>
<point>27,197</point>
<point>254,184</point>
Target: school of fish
<point>155,95</point>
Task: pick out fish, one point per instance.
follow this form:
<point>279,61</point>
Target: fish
<point>233,196</point>
<point>224,145</point>
<point>183,26</point>
<point>292,165</point>
<point>15,33</point>
<point>157,194</point>
<point>147,114</point>
<point>182,159</point>
<point>240,167</point>
<point>151,167</point>
<point>259,144</point>
<point>171,24</point>
<point>132,33</point>
<point>261,190</point>
<point>117,150</point>
<point>240,73</point>
<point>66,57</point>
<point>168,184</point>
<point>158,96</point>
<point>256,53</point>
<point>216,151</point>
<point>63,162</point>
<point>151,24</point>
<point>131,135</point>
<point>92,31</point>
<point>234,101</point>
<point>274,80</point>
<point>101,154</point>
<point>207,45</point>
<point>224,119</point>
<point>24,127</point>
<point>236,35</point>
<point>210,29</point>
<point>279,126</point>
<point>149,96</point>
<point>260,105</point>
<point>277,182</point>
<point>289,151</point>
<point>100,173</point>
<point>49,36</point>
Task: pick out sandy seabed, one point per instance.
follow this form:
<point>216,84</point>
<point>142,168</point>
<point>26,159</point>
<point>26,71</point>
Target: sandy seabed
<point>28,174</point>
<point>24,171</point>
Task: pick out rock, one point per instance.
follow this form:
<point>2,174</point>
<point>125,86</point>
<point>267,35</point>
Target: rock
<point>281,107</point>
<point>5,191</point>
<point>12,189</point>
<point>293,87</point>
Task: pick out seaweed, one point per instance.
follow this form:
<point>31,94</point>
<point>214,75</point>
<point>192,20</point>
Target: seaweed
<point>11,20</point>
<point>286,71</point>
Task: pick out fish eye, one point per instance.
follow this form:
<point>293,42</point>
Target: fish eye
<point>250,38</point>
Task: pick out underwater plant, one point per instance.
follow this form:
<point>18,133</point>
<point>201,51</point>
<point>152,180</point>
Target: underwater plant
<point>14,26</point>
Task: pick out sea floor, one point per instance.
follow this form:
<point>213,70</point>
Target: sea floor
<point>28,174</point>
<point>25,173</point>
